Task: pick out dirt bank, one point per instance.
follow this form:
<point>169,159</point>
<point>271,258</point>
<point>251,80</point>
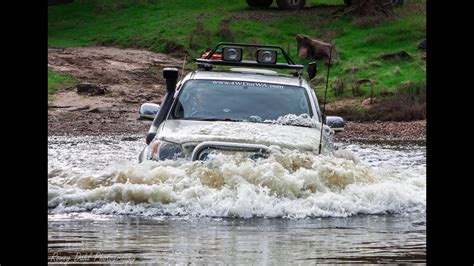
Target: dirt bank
<point>384,131</point>
<point>133,77</point>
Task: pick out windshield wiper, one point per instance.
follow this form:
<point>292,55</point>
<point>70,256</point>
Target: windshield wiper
<point>211,119</point>
<point>286,124</point>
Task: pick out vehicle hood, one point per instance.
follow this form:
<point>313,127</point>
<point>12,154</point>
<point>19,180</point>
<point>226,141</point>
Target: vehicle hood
<point>285,136</point>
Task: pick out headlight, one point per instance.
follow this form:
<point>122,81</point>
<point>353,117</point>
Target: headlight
<point>163,150</point>
<point>232,54</point>
<point>266,56</point>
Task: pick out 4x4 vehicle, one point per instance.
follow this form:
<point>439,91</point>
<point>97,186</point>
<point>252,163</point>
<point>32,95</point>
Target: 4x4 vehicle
<point>298,4</point>
<point>245,109</point>
<point>282,4</point>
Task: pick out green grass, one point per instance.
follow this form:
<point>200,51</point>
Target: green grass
<point>151,24</point>
<point>57,81</point>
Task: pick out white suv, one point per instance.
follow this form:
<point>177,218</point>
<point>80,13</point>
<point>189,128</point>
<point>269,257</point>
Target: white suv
<point>250,110</point>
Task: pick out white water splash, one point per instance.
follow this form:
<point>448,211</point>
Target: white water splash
<point>296,120</point>
<point>287,184</point>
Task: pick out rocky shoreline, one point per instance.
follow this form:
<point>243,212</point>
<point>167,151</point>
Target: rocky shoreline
<point>116,123</point>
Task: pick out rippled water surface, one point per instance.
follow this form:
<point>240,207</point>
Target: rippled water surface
<point>364,204</point>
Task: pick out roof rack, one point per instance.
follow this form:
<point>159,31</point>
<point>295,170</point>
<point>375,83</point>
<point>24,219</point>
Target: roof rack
<point>206,62</point>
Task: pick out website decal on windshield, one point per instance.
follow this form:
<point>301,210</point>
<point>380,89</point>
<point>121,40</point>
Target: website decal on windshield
<point>249,84</point>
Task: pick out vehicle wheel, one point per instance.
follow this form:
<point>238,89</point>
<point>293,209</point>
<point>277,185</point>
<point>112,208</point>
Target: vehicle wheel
<point>259,3</point>
<point>396,3</point>
<point>347,2</point>
<point>291,4</point>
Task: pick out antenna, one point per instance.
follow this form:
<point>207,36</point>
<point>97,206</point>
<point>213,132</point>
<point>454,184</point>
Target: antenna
<point>323,115</point>
<point>182,69</point>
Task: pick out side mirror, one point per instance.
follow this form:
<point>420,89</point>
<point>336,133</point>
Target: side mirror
<point>312,70</point>
<point>148,111</point>
<point>335,122</point>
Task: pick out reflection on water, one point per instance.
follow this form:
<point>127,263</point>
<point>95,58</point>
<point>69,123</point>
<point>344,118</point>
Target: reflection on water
<point>385,238</point>
<point>88,223</point>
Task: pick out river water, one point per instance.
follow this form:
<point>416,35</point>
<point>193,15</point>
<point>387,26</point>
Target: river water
<point>364,204</point>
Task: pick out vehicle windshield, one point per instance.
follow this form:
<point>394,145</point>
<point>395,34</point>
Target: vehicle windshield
<point>239,101</point>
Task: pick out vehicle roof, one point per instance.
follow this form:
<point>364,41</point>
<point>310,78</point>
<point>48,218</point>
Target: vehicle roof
<point>245,76</point>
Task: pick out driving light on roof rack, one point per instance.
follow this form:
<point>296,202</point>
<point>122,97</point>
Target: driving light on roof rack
<point>266,56</point>
<point>232,54</point>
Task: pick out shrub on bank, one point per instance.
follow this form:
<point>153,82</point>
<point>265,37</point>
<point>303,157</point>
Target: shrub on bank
<point>408,103</point>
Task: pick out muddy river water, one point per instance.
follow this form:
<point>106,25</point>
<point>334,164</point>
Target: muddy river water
<point>364,204</point>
